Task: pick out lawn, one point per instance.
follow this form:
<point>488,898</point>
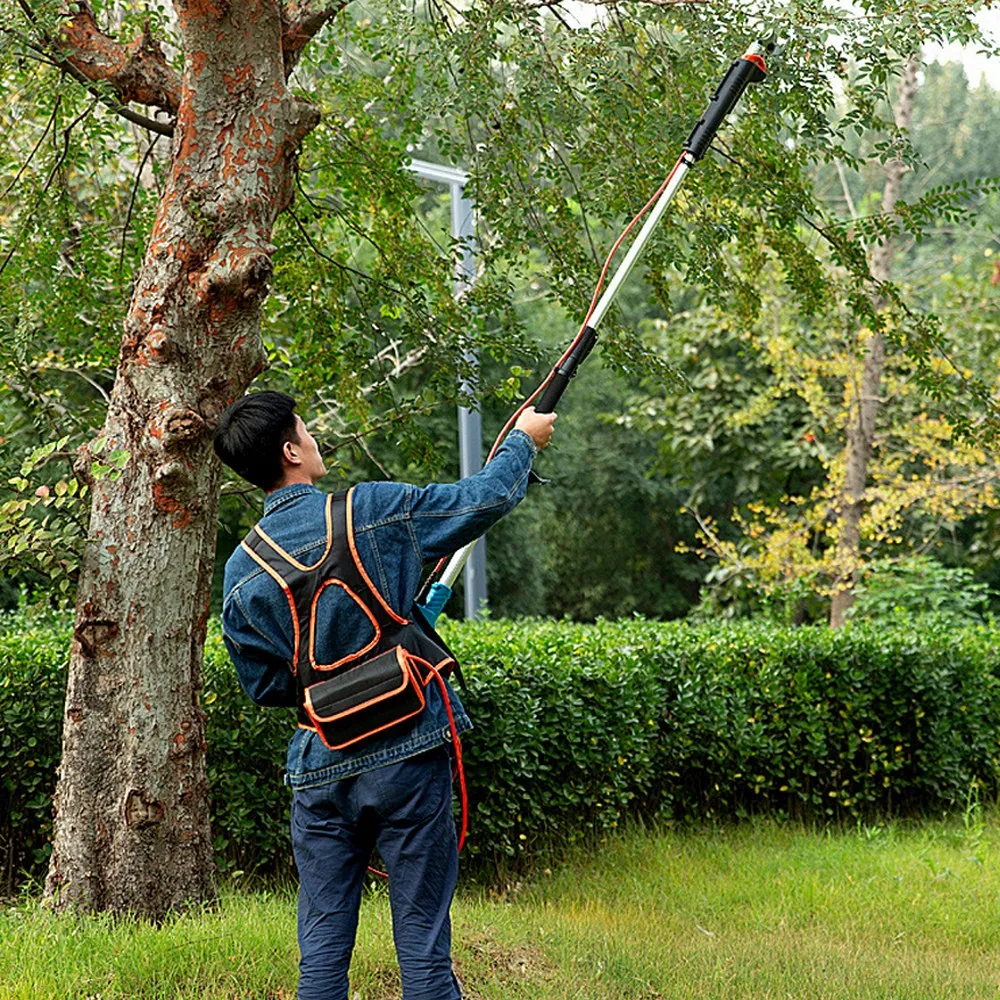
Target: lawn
<point>763,910</point>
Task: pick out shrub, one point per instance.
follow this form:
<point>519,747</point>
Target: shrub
<point>33,646</point>
<point>580,726</point>
<point>920,586</point>
<point>577,725</point>
<point>568,729</point>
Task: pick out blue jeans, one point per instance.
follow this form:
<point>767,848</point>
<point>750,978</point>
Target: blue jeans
<point>404,810</point>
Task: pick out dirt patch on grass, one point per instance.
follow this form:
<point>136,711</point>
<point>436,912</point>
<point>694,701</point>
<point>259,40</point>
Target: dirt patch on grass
<point>482,962</point>
<point>488,962</point>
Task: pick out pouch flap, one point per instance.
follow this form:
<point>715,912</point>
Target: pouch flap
<point>352,689</point>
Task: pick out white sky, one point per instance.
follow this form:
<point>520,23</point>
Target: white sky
<point>976,65</point>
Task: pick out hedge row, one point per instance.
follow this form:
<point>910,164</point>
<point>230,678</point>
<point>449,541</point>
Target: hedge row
<point>579,726</point>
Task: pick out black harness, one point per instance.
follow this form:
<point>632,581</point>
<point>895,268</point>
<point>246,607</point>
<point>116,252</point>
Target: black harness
<point>375,688</point>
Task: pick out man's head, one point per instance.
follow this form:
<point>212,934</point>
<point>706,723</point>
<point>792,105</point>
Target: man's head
<point>261,438</point>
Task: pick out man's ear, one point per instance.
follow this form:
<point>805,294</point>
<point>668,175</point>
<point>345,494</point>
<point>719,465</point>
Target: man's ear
<point>290,454</point>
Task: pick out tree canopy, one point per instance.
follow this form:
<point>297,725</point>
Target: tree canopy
<point>565,130</point>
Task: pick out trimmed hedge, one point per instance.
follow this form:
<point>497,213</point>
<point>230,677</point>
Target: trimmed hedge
<point>579,726</point>
<point>33,655</point>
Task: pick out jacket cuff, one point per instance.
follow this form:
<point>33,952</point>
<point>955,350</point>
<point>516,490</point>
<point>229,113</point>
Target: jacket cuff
<point>527,437</point>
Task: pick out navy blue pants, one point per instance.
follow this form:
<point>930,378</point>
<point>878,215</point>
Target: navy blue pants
<point>405,811</point>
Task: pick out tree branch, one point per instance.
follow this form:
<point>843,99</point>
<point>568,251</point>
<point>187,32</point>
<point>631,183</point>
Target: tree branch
<point>131,201</point>
<point>15,243</point>
<point>301,24</point>
<point>400,365</point>
<point>39,397</point>
<point>136,72</point>
<point>41,139</point>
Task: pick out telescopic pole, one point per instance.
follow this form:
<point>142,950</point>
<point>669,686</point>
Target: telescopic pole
<point>749,68</point>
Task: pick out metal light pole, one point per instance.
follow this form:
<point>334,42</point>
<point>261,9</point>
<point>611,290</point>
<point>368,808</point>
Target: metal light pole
<point>470,424</point>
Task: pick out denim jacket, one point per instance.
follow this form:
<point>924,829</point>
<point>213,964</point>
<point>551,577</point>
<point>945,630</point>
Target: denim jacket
<point>397,528</point>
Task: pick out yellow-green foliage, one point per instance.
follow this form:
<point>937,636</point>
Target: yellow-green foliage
<point>924,475</point>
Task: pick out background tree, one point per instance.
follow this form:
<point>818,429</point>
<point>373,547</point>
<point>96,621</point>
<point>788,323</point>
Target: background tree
<point>863,393</point>
<point>926,481</point>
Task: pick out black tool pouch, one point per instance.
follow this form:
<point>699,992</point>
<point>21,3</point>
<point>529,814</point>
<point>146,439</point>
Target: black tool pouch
<point>366,700</point>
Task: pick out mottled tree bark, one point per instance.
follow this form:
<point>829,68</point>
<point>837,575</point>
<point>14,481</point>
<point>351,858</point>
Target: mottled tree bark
<point>136,72</point>
<point>131,808</point>
<point>863,397</point>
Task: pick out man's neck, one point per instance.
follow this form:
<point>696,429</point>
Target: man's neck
<point>293,480</point>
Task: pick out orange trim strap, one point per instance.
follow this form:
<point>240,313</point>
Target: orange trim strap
<point>312,627</point>
<point>329,541</point>
<point>288,594</point>
<point>360,564</point>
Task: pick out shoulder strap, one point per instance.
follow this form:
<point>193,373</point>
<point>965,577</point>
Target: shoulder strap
<point>298,581</point>
<point>344,563</point>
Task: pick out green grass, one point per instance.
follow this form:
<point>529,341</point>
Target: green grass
<point>761,911</point>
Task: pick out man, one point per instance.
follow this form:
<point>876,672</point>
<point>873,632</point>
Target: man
<point>391,791</point>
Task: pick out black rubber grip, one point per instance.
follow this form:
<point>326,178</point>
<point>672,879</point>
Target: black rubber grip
<point>742,72</point>
<point>560,380</point>
<point>553,393</point>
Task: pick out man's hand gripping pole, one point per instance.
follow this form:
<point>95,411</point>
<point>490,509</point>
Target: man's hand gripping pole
<point>749,68</point>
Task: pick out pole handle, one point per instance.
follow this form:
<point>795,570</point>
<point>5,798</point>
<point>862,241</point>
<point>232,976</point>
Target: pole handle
<point>560,379</point>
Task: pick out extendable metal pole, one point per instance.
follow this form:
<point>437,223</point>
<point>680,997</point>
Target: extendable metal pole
<point>639,244</point>
<point>749,68</point>
<point>454,567</point>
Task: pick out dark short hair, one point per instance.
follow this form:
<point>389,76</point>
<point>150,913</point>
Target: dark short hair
<point>252,433</point>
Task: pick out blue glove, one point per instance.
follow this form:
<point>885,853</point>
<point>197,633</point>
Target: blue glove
<point>437,598</point>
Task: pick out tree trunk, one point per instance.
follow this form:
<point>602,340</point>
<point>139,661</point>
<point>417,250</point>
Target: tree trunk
<point>131,807</point>
<point>863,399</point>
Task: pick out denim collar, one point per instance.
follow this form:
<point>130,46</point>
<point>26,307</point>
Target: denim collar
<point>281,496</point>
